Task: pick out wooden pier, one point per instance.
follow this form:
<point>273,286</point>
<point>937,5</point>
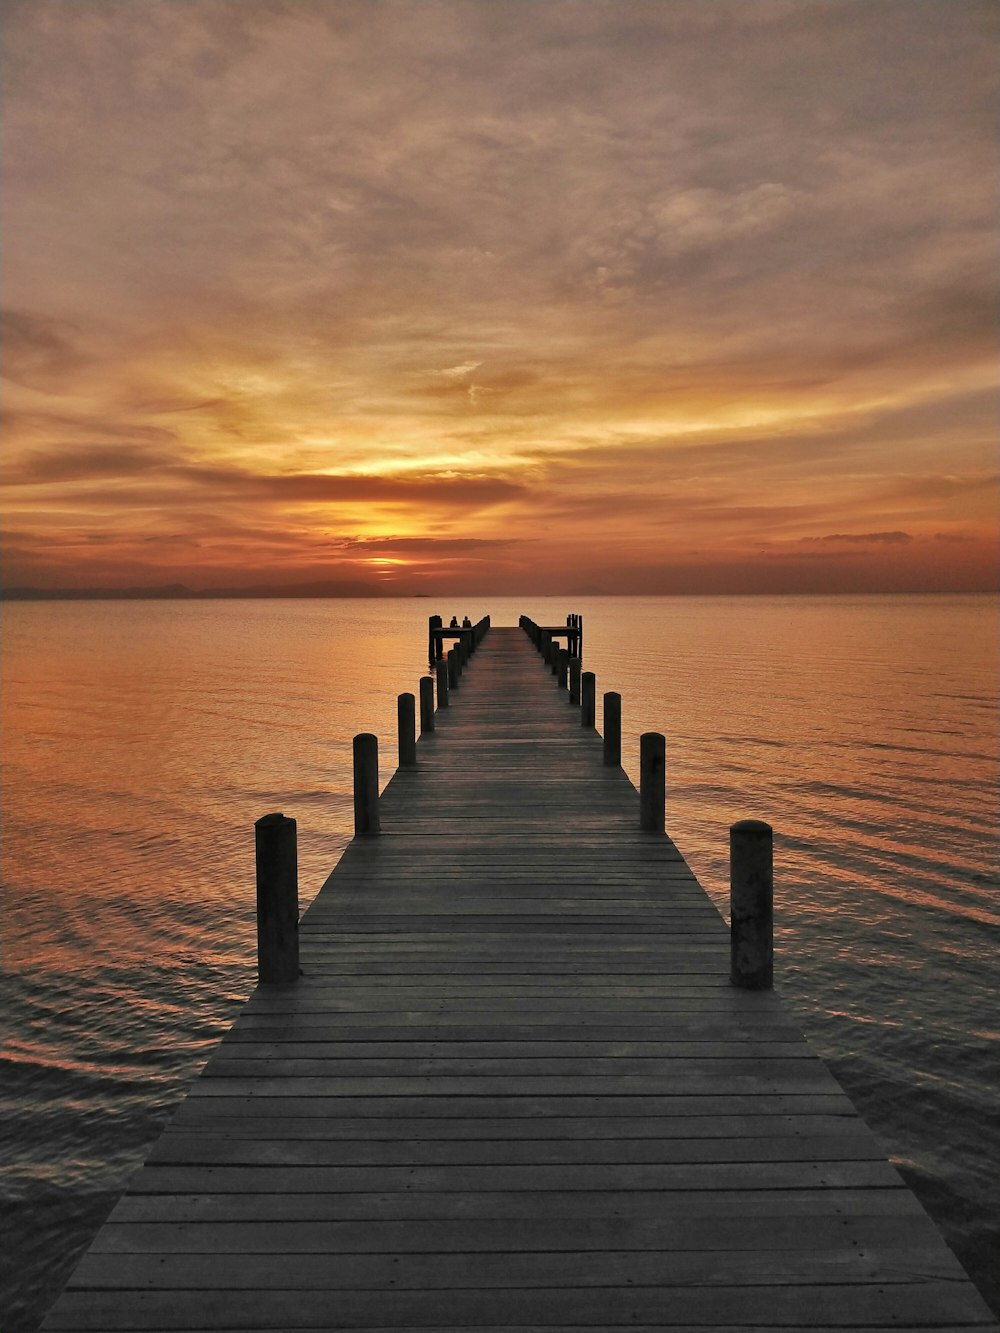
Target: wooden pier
<point>514,1089</point>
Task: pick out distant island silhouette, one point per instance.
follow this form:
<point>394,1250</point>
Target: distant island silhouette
<point>180,591</point>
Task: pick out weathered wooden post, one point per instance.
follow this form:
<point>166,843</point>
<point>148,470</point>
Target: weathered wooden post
<point>442,683</point>
<point>751,905</point>
<point>574,681</point>
<point>433,643</point>
<point>407,729</point>
<point>588,699</point>
<point>562,668</point>
<point>366,784</point>
<point>453,669</point>
<point>652,781</point>
<point>613,728</point>
<point>426,704</point>
<point>277,899</point>
<point>554,657</point>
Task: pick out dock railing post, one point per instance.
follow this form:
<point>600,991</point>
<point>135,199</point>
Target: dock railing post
<point>613,729</point>
<point>574,681</point>
<point>277,899</point>
<point>433,644</point>
<point>407,730</point>
<point>562,668</point>
<point>751,905</point>
<point>442,683</point>
<point>426,704</point>
<point>366,819</point>
<point>453,669</point>
<point>588,699</point>
<point>652,781</point>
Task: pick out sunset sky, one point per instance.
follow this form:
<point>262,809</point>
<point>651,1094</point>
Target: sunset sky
<point>510,296</point>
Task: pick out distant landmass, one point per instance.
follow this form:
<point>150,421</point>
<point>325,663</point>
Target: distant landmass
<point>166,591</point>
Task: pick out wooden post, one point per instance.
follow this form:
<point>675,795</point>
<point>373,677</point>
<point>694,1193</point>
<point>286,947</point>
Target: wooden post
<point>366,784</point>
<point>442,683</point>
<point>277,899</point>
<point>588,698</point>
<point>574,681</point>
<point>426,704</point>
<point>433,644</point>
<point>452,669</point>
<point>613,729</point>
<point>652,781</point>
<point>751,905</point>
<point>554,658</point>
<point>562,668</point>
<point>407,730</point>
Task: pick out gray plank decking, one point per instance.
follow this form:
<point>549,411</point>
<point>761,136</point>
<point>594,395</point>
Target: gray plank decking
<point>513,1090</point>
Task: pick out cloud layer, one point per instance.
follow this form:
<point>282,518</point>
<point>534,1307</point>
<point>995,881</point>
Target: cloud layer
<point>664,295</point>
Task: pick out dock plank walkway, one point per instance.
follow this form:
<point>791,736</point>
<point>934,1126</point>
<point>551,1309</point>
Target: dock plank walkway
<point>514,1090</point>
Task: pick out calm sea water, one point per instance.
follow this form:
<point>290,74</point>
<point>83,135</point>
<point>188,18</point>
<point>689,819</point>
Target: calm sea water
<point>142,739</point>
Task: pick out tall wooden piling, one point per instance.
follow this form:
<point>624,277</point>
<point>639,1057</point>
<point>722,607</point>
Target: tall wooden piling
<point>751,905</point>
<point>588,699</point>
<point>407,730</point>
<point>652,782</point>
<point>276,848</point>
<point>366,815</point>
<point>574,683</point>
<point>441,668</point>
<point>613,729</point>
<point>426,704</point>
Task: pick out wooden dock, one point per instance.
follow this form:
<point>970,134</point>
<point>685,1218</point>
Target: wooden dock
<point>514,1090</point>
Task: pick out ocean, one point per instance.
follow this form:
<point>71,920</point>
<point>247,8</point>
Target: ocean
<point>140,741</point>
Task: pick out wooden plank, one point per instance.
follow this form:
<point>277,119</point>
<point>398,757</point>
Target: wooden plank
<point>458,1270</point>
<point>251,1120</point>
<point>917,1304</point>
<point>540,1205</point>
<point>506,1235</point>
<point>193,1148</point>
<point>288,1178</point>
